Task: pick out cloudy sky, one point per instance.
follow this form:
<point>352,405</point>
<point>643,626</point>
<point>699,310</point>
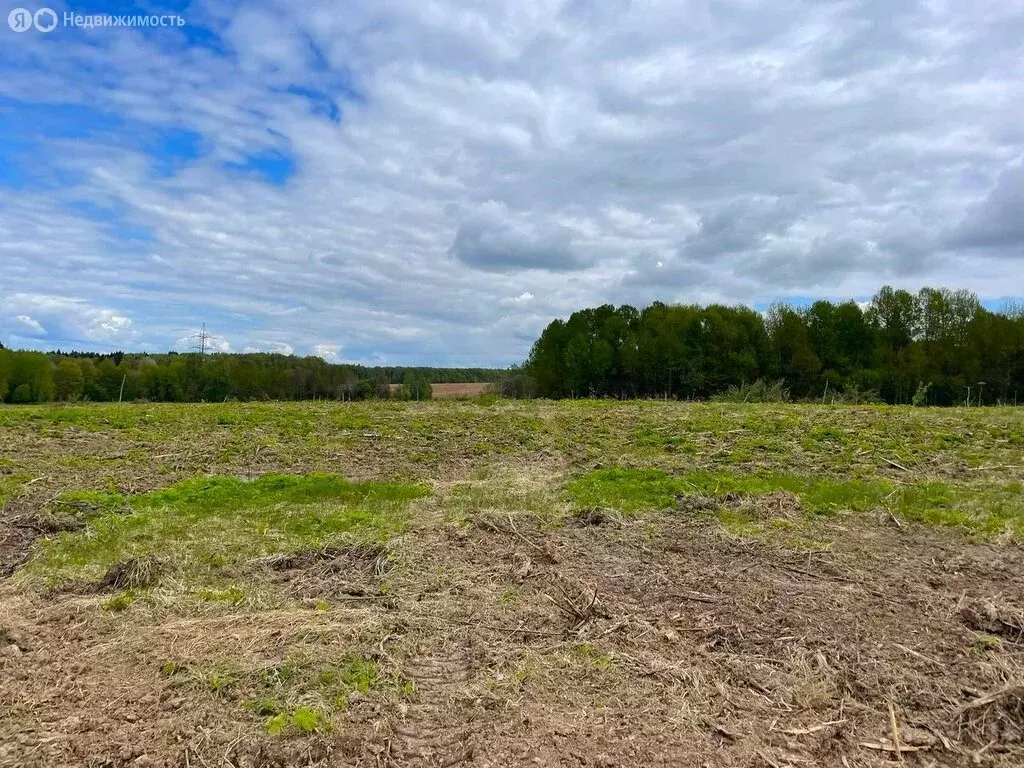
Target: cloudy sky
<point>432,181</point>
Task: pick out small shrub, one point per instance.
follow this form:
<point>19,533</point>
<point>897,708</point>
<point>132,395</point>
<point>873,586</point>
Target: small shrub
<point>921,396</point>
<point>854,395</point>
<point>759,391</point>
<point>134,573</point>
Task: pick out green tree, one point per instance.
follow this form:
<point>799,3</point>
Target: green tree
<point>68,380</point>
<point>417,386</point>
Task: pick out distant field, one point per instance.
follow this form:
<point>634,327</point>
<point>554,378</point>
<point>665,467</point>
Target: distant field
<point>510,583</point>
<point>455,391</point>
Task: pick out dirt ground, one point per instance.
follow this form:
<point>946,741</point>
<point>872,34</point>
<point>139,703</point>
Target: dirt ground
<point>627,643</point>
<point>601,639</point>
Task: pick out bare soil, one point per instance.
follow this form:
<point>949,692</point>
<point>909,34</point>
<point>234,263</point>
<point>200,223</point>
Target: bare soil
<point>606,642</point>
<point>525,631</point>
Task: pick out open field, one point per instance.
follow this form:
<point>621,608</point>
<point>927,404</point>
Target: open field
<point>511,583</point>
<point>456,390</point>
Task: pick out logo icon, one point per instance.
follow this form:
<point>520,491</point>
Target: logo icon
<point>45,19</point>
<point>20,20</point>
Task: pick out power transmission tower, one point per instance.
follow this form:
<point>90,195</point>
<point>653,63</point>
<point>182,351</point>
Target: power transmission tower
<point>203,338</point>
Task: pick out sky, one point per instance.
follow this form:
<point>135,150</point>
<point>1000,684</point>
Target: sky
<point>430,182</point>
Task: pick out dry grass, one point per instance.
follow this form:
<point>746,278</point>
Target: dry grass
<point>454,390</point>
<point>508,624</point>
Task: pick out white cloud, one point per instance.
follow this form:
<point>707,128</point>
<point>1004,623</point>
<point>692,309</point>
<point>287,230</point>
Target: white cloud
<point>524,298</point>
<point>329,352</point>
<point>193,342</point>
<point>276,347</point>
<point>452,159</point>
<point>31,323</point>
<point>106,324</point>
<point>69,322</point>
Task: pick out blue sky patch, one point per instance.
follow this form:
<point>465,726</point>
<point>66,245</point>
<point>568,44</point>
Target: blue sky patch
<point>273,166</point>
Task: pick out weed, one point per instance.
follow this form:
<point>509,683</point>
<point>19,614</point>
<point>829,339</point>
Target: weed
<point>264,707</point>
<point>307,720</point>
<point>592,656</point>
<point>983,645</point>
<point>219,683</point>
<point>277,724</point>
<point>118,603</point>
<point>233,595</point>
<point>302,720</point>
<point>172,668</point>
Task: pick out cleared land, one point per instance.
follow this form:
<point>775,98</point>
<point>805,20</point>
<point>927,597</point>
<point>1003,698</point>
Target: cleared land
<point>572,584</point>
<point>455,390</point>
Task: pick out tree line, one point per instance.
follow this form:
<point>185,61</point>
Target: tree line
<point>36,377</point>
<point>937,347</point>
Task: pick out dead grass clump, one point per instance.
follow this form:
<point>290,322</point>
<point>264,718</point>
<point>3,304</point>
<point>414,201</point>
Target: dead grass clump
<point>597,516</point>
<point>778,505</point>
<point>52,522</point>
<point>696,502</point>
<point>328,558</point>
<point>996,717</point>
<point>493,522</point>
<point>987,616</point>
<point>578,601</point>
<point>135,573</point>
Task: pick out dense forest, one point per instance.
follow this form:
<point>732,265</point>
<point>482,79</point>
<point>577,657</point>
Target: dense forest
<point>33,377</point>
<point>936,347</point>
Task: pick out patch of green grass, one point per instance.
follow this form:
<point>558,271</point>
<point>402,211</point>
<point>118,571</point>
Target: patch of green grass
<point>985,510</point>
<point>592,656</point>
<point>648,436</point>
<point>299,695</point>
<point>172,668</point>
<point>302,720</point>
<point>472,440</point>
<point>10,484</point>
<point>119,602</point>
<point>204,524</point>
<point>234,595</point>
<point>628,490</point>
<point>509,595</point>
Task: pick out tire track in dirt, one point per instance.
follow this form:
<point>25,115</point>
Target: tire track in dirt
<point>425,735</point>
